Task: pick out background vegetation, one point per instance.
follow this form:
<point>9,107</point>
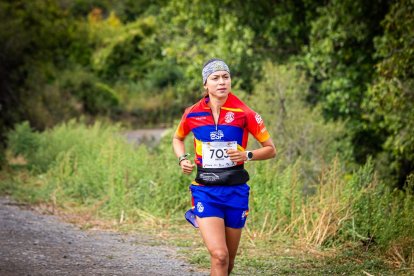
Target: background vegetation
<point>332,79</point>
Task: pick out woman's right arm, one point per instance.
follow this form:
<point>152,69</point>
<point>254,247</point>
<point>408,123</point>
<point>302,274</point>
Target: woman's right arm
<point>179,149</point>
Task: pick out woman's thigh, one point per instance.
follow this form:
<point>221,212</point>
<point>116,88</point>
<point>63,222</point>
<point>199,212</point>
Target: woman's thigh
<point>213,231</point>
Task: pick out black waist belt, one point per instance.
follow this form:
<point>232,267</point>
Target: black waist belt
<point>222,177</point>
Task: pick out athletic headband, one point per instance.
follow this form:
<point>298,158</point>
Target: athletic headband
<point>213,65</point>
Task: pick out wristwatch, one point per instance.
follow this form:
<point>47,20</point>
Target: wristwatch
<point>183,157</point>
<point>249,155</point>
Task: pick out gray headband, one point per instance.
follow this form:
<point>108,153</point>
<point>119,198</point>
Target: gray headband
<point>213,66</point>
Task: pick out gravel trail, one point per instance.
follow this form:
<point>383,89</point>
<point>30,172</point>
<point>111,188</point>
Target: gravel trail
<point>37,244</point>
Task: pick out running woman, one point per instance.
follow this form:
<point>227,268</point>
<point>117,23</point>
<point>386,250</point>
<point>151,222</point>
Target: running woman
<point>220,123</point>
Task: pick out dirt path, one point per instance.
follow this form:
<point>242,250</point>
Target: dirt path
<point>36,244</point>
<point>147,136</point>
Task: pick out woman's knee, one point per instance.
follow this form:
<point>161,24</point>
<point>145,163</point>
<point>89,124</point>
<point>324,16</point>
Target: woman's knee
<point>220,256</point>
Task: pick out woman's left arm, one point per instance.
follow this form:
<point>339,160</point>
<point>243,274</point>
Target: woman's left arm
<point>267,151</point>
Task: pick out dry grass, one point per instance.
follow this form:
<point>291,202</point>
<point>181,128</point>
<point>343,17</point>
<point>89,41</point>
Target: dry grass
<point>401,254</point>
<point>16,160</point>
<point>322,215</point>
<point>266,254</point>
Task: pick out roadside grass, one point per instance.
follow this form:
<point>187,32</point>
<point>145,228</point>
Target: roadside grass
<point>352,224</point>
<point>280,255</point>
<point>276,258</point>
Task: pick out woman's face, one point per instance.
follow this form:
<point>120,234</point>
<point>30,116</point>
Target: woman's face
<point>218,84</point>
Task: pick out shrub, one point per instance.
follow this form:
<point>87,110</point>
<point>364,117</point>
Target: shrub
<point>95,166</point>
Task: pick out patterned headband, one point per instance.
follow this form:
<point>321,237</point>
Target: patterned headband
<point>212,66</point>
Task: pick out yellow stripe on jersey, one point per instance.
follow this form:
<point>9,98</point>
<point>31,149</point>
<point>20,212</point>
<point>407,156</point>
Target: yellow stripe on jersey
<point>198,147</point>
<point>233,109</point>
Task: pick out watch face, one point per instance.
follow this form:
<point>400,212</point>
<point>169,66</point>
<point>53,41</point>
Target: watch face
<point>250,155</point>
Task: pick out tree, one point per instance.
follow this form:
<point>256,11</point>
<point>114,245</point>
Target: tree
<point>340,59</point>
<point>37,38</point>
<point>244,33</point>
<point>390,102</point>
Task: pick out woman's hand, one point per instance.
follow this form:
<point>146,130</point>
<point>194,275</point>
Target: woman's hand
<point>237,156</point>
<point>186,166</point>
<point>267,151</point>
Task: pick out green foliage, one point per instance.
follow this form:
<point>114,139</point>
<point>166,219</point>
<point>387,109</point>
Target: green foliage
<point>140,61</point>
<point>23,141</point>
<point>37,39</point>
<point>96,97</point>
<point>347,41</point>
<point>381,215</point>
<point>44,19</point>
<point>394,47</point>
<point>81,8</point>
<point>301,134</point>
<point>125,51</point>
<point>340,51</point>
<point>130,10</point>
<point>42,150</point>
<point>94,165</point>
<point>242,34</point>
<point>390,101</point>
<point>89,164</point>
<point>340,60</point>
<point>129,57</point>
<point>276,197</point>
<point>102,97</point>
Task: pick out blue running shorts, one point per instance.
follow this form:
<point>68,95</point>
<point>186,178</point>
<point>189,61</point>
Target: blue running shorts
<point>230,203</point>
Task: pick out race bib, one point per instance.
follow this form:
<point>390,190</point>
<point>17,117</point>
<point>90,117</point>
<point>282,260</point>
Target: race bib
<point>215,154</point>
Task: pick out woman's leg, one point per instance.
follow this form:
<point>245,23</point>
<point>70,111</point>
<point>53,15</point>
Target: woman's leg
<point>214,235</point>
<point>232,240</point>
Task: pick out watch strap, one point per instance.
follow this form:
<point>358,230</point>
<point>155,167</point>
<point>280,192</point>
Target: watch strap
<point>183,157</point>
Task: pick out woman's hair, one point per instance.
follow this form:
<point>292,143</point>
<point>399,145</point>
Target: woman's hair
<point>205,93</point>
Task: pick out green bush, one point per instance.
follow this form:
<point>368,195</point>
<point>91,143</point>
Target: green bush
<point>95,163</point>
<point>299,131</point>
<point>24,141</point>
<point>95,96</point>
<point>95,166</point>
<point>381,214</point>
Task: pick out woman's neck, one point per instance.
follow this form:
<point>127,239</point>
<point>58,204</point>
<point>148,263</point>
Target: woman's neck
<point>216,103</point>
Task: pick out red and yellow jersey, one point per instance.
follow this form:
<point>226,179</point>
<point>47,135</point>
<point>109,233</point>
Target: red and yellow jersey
<point>235,122</point>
